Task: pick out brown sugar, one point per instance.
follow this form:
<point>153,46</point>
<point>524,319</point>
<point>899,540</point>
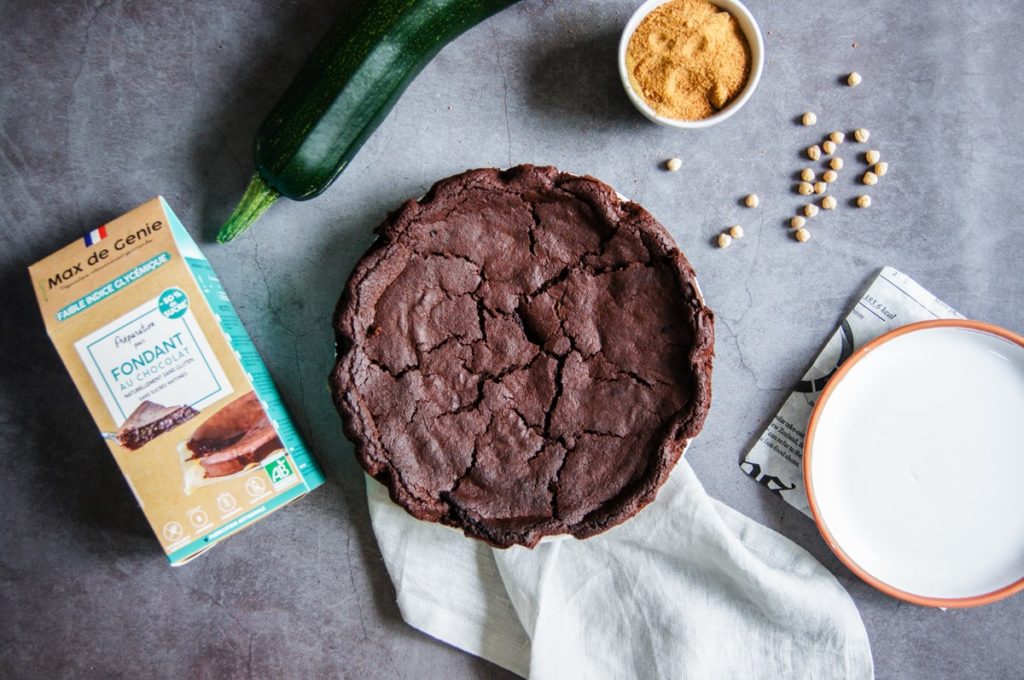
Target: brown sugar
<point>688,59</point>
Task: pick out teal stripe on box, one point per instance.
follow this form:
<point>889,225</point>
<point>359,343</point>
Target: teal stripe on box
<point>231,324</point>
<point>256,370</point>
<point>114,285</point>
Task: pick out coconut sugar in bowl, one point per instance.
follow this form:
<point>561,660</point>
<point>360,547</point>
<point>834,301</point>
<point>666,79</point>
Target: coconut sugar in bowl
<point>690,63</point>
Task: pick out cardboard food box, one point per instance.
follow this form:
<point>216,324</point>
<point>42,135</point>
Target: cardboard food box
<point>172,380</point>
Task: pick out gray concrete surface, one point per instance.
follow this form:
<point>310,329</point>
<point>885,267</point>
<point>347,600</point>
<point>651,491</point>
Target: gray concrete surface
<point>104,104</point>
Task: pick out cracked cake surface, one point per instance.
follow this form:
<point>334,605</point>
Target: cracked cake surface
<point>520,354</point>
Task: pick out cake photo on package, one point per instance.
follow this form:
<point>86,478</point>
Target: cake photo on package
<point>149,421</point>
<point>235,437</point>
<point>522,354</point>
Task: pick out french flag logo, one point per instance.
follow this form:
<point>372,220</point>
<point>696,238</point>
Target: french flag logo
<point>96,235</point>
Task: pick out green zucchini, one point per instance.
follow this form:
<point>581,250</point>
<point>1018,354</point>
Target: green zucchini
<point>344,90</point>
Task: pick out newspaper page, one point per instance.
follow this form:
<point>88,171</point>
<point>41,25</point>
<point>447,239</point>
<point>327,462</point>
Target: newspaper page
<point>892,300</point>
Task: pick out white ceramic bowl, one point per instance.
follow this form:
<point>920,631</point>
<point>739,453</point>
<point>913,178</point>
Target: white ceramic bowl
<point>912,463</point>
<point>754,39</point>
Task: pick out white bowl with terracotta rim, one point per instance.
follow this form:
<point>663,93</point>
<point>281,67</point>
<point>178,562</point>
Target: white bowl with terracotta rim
<point>913,459</point>
<point>751,32</point>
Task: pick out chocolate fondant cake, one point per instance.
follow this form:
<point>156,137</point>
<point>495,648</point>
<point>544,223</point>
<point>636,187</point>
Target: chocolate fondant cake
<point>150,420</point>
<point>522,353</point>
<point>235,436</point>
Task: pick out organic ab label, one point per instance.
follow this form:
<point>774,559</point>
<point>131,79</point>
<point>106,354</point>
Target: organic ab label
<point>280,472</point>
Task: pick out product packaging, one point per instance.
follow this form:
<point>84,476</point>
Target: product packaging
<point>172,380</point>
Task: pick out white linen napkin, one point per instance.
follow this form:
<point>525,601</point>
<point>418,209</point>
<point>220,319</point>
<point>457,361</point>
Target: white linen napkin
<point>689,588</point>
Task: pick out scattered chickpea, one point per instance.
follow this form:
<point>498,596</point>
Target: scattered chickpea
<point>736,231</point>
<point>861,135</point>
<point>751,201</point>
<point>828,146</point>
<point>830,176</point>
<point>881,168</point>
<point>836,163</point>
<point>810,210</point>
<point>872,157</point>
<point>837,137</point>
<point>828,203</point>
<point>819,187</point>
<point>802,235</point>
<point>809,119</point>
<point>853,80</point>
<point>814,152</point>
<point>673,164</point>
<point>805,189</point>
<point>807,175</point>
<point>870,178</point>
<point>797,222</point>
<point>724,240</point>
<point>864,201</point>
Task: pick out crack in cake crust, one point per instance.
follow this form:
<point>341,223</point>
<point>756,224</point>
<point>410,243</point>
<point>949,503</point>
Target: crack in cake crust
<point>520,354</point>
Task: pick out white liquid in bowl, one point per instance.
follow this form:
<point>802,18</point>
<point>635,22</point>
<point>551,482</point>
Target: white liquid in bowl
<point>917,463</point>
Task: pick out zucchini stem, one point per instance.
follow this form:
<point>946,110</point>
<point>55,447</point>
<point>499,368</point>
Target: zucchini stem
<point>257,198</point>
